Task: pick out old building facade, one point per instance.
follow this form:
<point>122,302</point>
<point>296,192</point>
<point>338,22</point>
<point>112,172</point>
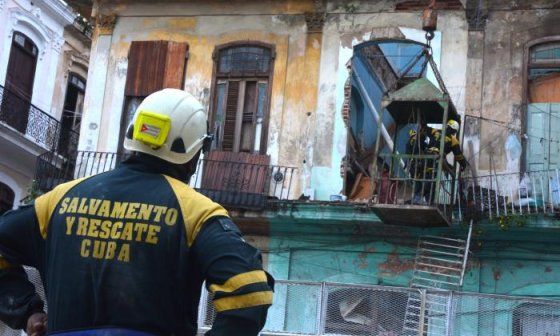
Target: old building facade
<point>43,69</point>
<point>275,78</point>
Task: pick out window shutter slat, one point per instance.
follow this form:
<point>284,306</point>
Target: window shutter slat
<point>230,116</point>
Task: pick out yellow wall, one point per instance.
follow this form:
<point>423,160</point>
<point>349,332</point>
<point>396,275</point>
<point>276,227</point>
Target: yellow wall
<point>295,75</point>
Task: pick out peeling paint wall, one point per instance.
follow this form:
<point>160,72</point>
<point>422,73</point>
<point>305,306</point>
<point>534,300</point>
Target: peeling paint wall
<point>204,27</point>
<point>496,84</point>
<point>305,126</point>
<point>516,261</point>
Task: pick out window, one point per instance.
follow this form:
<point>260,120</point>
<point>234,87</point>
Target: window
<point>543,108</point>
<point>152,66</point>
<point>362,311</point>
<point>241,98</point>
<point>6,198</point>
<point>535,319</point>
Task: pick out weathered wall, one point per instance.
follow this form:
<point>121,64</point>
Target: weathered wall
<point>497,86</point>
<point>204,27</point>
<point>305,125</point>
<point>512,261</point>
<point>74,57</point>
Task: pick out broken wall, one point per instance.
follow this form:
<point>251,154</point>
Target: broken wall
<point>306,129</point>
<point>349,26</point>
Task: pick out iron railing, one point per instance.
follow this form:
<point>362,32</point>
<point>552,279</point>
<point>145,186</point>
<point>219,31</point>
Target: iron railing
<point>29,120</point>
<point>232,184</point>
<point>499,196</point>
<point>240,184</point>
<point>412,179</point>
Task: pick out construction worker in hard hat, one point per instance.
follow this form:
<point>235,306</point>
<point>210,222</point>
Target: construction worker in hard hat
<point>126,252</point>
<point>427,142</point>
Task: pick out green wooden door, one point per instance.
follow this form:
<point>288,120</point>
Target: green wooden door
<point>543,130</point>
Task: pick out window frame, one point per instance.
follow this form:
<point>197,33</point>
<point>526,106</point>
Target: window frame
<point>34,52</point>
<point>217,77</point>
<point>525,94</point>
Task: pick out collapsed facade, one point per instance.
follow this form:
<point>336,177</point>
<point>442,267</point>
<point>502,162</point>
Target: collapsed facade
<point>293,133</point>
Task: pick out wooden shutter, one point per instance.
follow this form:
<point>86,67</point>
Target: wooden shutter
<point>232,99</point>
<point>155,65</point>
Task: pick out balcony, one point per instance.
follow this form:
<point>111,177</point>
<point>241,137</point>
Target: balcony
<point>28,120</point>
<point>28,132</point>
<point>239,185</point>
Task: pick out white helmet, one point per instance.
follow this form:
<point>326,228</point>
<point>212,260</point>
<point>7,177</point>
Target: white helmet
<point>170,124</point>
<point>453,126</point>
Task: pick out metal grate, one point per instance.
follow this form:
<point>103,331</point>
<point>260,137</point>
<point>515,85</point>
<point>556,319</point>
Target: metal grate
<point>326,309</point>
<point>35,279</point>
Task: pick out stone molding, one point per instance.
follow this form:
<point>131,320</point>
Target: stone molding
<point>105,24</point>
<point>19,17</point>
<point>61,13</point>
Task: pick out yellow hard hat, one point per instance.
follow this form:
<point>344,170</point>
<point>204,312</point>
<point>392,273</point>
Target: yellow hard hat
<point>453,125</point>
<point>170,124</point>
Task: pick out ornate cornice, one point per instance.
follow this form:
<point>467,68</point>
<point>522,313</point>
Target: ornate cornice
<point>105,24</point>
<point>315,21</point>
<point>60,13</point>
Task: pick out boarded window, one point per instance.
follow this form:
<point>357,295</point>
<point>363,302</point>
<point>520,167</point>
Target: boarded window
<point>152,66</point>
<point>241,97</point>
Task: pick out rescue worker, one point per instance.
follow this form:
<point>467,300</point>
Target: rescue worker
<point>424,170</point>
<point>126,252</point>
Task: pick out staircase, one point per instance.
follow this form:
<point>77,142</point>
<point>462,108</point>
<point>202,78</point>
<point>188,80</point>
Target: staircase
<point>439,267</point>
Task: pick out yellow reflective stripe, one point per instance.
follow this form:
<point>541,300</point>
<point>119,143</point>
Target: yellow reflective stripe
<point>4,264</point>
<point>243,301</point>
<point>195,208</point>
<point>238,281</point>
<point>45,204</point>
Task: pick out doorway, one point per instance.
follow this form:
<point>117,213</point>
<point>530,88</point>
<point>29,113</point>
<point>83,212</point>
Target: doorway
<point>71,115</point>
<point>16,98</point>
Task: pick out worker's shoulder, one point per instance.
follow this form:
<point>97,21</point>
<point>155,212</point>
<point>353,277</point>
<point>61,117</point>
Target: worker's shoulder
<point>186,195</point>
<point>184,192</point>
<point>55,195</point>
<point>46,203</point>
<point>196,208</point>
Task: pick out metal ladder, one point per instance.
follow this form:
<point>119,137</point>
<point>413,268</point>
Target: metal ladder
<point>439,266</point>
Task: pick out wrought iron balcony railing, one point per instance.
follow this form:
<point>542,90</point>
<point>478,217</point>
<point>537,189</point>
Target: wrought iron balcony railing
<point>29,120</point>
<point>232,184</point>
<point>506,195</point>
